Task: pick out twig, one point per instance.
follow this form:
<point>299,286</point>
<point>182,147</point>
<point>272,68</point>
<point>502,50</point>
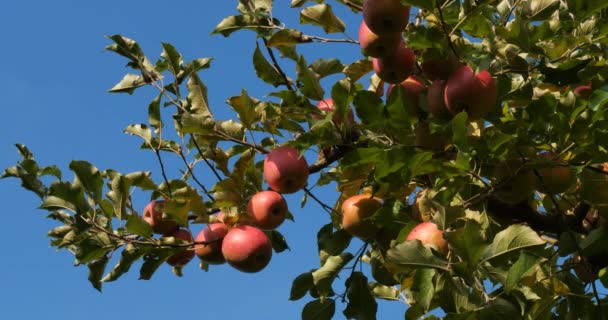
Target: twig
<point>181,154</point>
<point>277,66</point>
<point>445,31</point>
<point>200,152</point>
<point>162,169</point>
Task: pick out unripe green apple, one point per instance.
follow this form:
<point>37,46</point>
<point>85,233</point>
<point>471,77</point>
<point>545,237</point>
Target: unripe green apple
<point>284,170</point>
<point>183,257</point>
<point>395,67</point>
<point>429,235</point>
<point>267,209</point>
<point>247,248</point>
<point>153,215</point>
<point>211,253</point>
<point>386,16</point>
<point>375,45</point>
<point>557,177</point>
<point>356,212</point>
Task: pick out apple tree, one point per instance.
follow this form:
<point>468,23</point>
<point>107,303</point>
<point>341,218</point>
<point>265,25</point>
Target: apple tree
<point>467,145</point>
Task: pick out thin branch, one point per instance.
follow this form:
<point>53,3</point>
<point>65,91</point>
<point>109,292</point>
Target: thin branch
<point>200,153</point>
<point>277,66</point>
<point>162,169</point>
<point>241,142</point>
<point>181,154</point>
<point>325,207</point>
<point>445,31</point>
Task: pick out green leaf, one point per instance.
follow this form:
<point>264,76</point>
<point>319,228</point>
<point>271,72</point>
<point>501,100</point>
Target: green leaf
<point>151,263</point>
<point>198,103</point>
<point>128,84</point>
<point>300,286</point>
<point>89,177</point>
<point>423,4</point>
<point>320,309</point>
<point>598,99</point>
<point>96,269</point>
<point>331,243</point>
<point>583,9</point>
<point>412,254</point>
<point>64,195</point>
<point>322,15</point>
<point>242,22</point>
<point>358,69</point>
<point>327,67</point>
<point>128,255</point>
<point>245,107</point>
<point>524,266</point>
<point>514,238</point>
<point>361,303</point>
<point>370,109</point>
<point>119,195</point>
<point>193,66</point>
<point>311,87</point>
<point>93,248</point>
<point>423,289</point>
<point>265,70</point>
<point>324,276</point>
<point>154,117</point>
<point>286,37</point>
<point>140,130</point>
<point>173,58</point>
<point>538,10</point>
<point>468,241</point>
<point>279,244</point>
<point>137,225</point>
<point>381,291</point>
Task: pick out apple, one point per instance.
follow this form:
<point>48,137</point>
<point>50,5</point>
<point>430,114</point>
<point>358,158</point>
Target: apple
<point>397,66</point>
<point>439,68</point>
<point>375,45</point>
<point>386,16</point>
<point>267,209</point>
<point>516,182</point>
<point>211,252</point>
<point>584,90</point>
<point>284,170</point>
<point>183,257</point>
<point>426,140</point>
<point>429,235</point>
<point>557,177</point>
<point>434,98</point>
<point>247,248</point>
<point>327,105</point>
<point>465,91</point>
<point>413,89</point>
<point>153,215</point>
<point>356,212</point>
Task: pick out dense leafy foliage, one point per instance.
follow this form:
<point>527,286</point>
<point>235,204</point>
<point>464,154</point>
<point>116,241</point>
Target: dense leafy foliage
<point>520,191</point>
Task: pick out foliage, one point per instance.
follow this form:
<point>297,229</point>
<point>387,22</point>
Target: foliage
<point>507,260</point>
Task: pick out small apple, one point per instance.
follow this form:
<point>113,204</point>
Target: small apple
<point>516,183</point>
<point>386,16</point>
<point>356,212</point>
<point>374,45</point>
<point>395,67</point>
<point>413,89</point>
<point>284,170</point>
<point>429,235</point>
<point>183,257</point>
<point>327,105</point>
<point>267,209</point>
<point>557,177</point>
<point>465,91</point>
<point>211,252</point>
<point>153,215</point>
<point>247,248</point>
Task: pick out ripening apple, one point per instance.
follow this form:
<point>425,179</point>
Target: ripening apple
<point>153,215</point>
<point>557,177</point>
<point>397,66</point>
<point>284,170</point>
<point>183,257</point>
<point>267,209</point>
<point>429,235</point>
<point>375,45</point>
<point>514,182</point>
<point>413,89</point>
<point>386,16</point>
<point>247,248</point>
<point>356,212</point>
<point>327,105</point>
<point>475,94</point>
<point>434,99</point>
<point>211,253</point>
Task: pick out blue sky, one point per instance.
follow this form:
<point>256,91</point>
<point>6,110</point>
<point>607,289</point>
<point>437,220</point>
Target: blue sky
<point>54,76</point>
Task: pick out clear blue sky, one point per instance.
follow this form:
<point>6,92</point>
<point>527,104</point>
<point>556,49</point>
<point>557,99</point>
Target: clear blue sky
<point>54,76</point>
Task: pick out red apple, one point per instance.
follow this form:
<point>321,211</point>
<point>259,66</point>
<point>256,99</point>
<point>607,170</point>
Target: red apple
<point>377,45</point>
<point>247,248</point>
<point>395,67</point>
<point>153,215</point>
<point>356,212</point>
<point>413,89</point>
<point>439,69</point>
<point>386,16</point>
<point>584,90</point>
<point>267,209</point>
<point>183,257</point>
<point>475,94</point>
<point>429,235</point>
<point>284,170</point>
<point>327,105</point>
<point>211,252</point>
